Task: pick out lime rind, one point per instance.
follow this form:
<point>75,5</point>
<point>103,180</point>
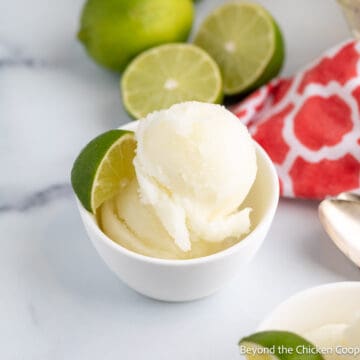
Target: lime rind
<point>214,32</point>
<point>197,75</point>
<point>90,163</point>
<point>278,341</point>
<point>274,66</point>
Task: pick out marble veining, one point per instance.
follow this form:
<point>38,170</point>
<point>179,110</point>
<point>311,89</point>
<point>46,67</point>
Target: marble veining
<point>12,58</point>
<point>20,62</point>
<point>9,58</point>
<point>40,198</point>
<point>48,113</point>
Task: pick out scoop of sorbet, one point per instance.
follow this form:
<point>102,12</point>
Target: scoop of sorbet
<point>195,164</point>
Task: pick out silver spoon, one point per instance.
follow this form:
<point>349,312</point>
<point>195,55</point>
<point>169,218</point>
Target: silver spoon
<point>350,196</point>
<point>341,220</point>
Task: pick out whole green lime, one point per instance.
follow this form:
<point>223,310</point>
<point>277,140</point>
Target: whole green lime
<point>115,31</point>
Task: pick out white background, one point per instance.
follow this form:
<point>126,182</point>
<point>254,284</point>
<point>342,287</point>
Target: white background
<point>57,298</point>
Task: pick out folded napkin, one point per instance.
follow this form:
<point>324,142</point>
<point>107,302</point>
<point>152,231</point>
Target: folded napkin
<point>309,124</point>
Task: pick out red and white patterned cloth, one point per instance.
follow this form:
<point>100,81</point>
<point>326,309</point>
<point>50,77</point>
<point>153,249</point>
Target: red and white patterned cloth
<point>310,125</point>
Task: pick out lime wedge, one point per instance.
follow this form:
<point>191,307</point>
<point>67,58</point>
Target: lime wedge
<point>283,345</point>
<point>103,167</point>
<point>169,74</point>
<point>245,41</point>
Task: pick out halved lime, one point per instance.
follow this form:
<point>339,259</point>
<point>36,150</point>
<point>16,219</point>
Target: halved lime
<point>169,74</point>
<point>103,167</point>
<point>245,41</point>
<point>283,345</point>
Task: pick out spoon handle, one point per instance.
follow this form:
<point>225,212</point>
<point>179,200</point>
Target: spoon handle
<point>349,196</point>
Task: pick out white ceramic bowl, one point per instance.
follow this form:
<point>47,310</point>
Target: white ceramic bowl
<point>335,303</point>
<point>183,280</point>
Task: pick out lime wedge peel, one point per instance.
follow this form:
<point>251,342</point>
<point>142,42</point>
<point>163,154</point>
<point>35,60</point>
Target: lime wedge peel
<point>283,345</point>
<point>103,167</point>
<point>170,74</point>
<point>246,42</point>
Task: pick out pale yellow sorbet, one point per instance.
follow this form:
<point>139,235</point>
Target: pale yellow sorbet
<point>134,225</point>
<point>195,165</point>
<point>337,341</point>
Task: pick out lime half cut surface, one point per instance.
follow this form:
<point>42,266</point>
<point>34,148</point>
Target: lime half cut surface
<point>245,41</point>
<point>170,74</point>
<point>283,345</point>
<point>103,167</point>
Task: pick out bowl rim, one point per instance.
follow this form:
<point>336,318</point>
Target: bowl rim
<point>268,216</point>
<point>302,296</point>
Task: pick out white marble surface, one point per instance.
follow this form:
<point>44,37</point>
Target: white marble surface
<point>57,298</point>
